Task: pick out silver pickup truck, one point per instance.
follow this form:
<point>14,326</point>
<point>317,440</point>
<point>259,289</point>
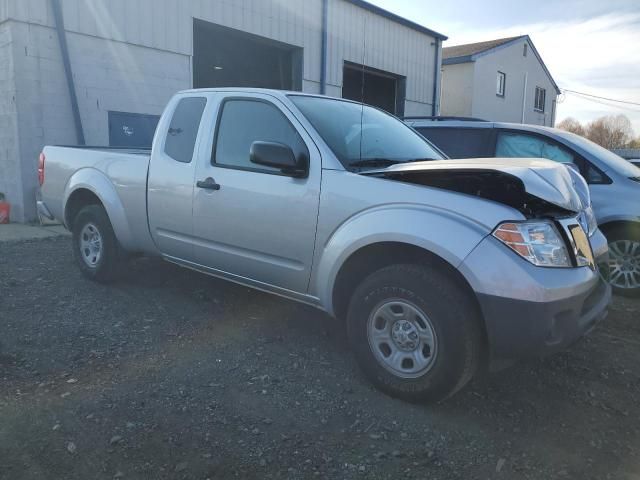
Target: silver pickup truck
<point>435,265</point>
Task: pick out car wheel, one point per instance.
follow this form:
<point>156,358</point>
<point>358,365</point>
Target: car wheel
<point>624,261</point>
<point>415,332</point>
<point>95,247</point>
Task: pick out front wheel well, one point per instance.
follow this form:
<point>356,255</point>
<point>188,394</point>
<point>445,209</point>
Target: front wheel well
<point>373,257</point>
<point>76,202</point>
<point>621,226</point>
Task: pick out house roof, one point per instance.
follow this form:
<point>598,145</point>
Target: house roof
<point>471,51</point>
<point>397,18</point>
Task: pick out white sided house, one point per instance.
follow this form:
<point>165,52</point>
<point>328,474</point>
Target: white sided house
<point>502,80</point>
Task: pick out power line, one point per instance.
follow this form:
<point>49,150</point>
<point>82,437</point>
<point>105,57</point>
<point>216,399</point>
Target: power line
<point>611,105</point>
<point>601,98</point>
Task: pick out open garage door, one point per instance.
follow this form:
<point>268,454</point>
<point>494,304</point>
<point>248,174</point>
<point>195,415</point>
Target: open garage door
<point>225,57</point>
<point>374,87</point>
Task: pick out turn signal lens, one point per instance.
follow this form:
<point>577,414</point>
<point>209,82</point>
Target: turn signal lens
<point>538,242</point>
<point>591,221</point>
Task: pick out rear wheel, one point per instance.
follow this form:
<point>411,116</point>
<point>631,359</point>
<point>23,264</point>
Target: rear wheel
<point>415,332</point>
<point>95,247</point>
<point>624,260</point>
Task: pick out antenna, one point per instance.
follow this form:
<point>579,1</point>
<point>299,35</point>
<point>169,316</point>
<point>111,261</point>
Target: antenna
<point>364,56</point>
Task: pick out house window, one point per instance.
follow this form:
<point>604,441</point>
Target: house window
<point>524,50</point>
<point>541,95</point>
<point>500,84</point>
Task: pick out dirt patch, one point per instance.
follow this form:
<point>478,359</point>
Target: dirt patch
<point>172,374</point>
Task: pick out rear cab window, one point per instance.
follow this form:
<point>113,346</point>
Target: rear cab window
<point>183,129</point>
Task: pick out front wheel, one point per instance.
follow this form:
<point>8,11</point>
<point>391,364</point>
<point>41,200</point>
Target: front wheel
<point>95,247</point>
<point>624,260</point>
<point>415,332</point>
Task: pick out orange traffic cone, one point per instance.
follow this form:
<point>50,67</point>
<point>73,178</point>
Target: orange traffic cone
<point>5,209</point>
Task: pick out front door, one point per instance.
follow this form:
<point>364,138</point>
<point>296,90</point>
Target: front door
<point>250,221</point>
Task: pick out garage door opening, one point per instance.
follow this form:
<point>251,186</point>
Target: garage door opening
<point>225,57</point>
<point>374,87</point>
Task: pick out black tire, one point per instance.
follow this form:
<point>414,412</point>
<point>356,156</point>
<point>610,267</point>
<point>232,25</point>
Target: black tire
<point>621,233</point>
<point>108,265</point>
<point>453,317</point>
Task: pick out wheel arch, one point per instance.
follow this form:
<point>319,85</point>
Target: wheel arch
<point>633,225</point>
<point>373,257</point>
<point>91,187</point>
<point>79,199</point>
<point>443,233</point>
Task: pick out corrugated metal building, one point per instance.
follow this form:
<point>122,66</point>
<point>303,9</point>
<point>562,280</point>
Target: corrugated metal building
<point>127,57</point>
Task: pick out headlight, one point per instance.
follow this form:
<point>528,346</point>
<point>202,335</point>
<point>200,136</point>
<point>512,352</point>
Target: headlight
<point>538,242</point>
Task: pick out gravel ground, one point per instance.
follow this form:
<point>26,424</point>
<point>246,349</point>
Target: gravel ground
<point>172,374</point>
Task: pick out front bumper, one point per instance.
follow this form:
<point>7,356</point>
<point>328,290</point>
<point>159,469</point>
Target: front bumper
<point>533,311</point>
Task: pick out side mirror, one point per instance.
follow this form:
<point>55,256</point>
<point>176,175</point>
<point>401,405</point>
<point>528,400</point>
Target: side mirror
<point>277,155</point>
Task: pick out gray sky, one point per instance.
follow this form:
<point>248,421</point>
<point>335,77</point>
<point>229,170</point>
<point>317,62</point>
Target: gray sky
<point>590,46</point>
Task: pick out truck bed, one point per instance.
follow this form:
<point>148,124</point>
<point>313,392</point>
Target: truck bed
<point>117,174</point>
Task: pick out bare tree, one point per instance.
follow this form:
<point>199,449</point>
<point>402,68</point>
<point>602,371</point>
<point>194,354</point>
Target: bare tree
<point>572,125</point>
<point>611,131</point>
<point>634,143</point>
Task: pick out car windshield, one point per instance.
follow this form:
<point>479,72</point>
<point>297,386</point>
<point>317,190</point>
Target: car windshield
<point>362,136</point>
<point>610,160</point>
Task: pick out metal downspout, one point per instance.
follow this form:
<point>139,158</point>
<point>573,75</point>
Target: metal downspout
<point>524,96</point>
<point>62,40</point>
<point>436,79</point>
<point>324,51</point>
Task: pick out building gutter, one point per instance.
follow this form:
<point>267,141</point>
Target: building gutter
<point>524,96</point>
<point>436,78</point>
<point>64,50</point>
<point>324,48</point>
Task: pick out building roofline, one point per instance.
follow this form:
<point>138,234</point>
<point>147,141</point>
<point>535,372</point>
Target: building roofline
<point>527,38</point>
<point>396,18</point>
<point>457,60</point>
<point>544,67</point>
<point>472,57</point>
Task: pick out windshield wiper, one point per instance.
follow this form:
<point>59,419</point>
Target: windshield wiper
<point>385,162</point>
<point>374,162</point>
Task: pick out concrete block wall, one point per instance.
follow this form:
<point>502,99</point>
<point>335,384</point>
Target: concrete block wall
<point>108,75</point>
<point>42,104</point>
<point>10,172</point>
<point>115,76</point>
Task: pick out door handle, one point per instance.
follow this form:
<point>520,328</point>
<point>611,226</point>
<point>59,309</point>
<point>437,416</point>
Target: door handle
<point>208,184</point>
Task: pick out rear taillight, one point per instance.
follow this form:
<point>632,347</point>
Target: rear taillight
<point>41,168</point>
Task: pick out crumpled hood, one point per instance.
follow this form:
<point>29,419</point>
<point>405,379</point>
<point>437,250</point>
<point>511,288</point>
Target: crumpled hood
<point>550,181</point>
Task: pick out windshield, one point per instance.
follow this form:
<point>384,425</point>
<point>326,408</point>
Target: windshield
<point>610,161</point>
<point>358,133</point>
